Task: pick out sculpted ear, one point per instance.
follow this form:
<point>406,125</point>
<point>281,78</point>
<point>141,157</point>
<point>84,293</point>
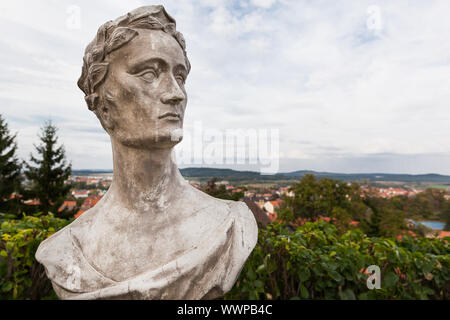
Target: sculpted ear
<point>92,101</point>
<point>103,112</point>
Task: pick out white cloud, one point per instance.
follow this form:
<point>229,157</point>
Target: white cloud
<point>314,70</point>
<point>266,4</point>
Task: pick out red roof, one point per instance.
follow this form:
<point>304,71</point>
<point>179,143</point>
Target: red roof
<point>67,204</point>
<point>272,216</point>
<point>89,202</point>
<point>79,213</point>
<point>78,192</point>
<point>33,202</point>
<point>412,234</point>
<point>276,203</point>
<point>444,234</point>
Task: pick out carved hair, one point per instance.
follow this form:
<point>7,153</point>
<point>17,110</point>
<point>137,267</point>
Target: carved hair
<point>114,34</point>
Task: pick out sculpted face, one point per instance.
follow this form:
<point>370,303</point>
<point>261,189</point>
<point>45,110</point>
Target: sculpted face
<point>143,94</point>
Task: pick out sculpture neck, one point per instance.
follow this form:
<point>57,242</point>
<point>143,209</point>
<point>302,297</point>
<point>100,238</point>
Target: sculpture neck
<point>144,178</point>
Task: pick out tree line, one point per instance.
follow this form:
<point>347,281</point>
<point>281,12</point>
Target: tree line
<point>43,178</point>
<point>346,202</point>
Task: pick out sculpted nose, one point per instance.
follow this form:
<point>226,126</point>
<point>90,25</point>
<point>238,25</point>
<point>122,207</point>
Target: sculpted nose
<point>174,95</point>
<point>171,99</point>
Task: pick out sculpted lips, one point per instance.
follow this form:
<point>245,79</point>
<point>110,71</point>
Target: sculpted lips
<point>170,116</point>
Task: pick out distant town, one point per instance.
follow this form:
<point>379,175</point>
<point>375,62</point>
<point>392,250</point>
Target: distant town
<point>261,196</point>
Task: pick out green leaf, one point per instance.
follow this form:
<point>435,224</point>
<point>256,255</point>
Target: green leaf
<point>260,268</point>
<point>364,296</point>
<point>251,275</point>
<point>258,284</point>
<point>253,295</point>
<point>304,292</point>
<point>347,294</point>
<point>317,270</point>
<point>7,286</point>
<point>272,266</point>
<point>304,274</point>
<point>390,279</point>
<point>288,266</point>
<point>335,275</point>
<point>427,267</point>
<point>9,245</point>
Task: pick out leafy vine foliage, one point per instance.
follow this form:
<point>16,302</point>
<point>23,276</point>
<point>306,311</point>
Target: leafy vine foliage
<point>316,261</point>
<point>21,276</point>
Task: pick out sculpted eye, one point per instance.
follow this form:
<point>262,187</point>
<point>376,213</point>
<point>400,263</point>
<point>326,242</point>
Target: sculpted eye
<point>180,79</point>
<point>148,75</point>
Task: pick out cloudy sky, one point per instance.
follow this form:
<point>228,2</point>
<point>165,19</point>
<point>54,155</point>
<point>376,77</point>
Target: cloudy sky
<point>351,86</point>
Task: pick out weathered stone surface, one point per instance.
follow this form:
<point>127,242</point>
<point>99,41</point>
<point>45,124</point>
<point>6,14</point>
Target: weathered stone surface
<point>152,236</point>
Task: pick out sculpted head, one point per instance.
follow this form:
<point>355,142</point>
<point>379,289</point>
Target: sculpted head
<point>133,77</point>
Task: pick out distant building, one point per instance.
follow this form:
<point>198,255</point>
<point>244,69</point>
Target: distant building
<point>80,193</point>
<point>267,196</point>
<point>407,232</point>
<point>79,213</point>
<point>271,206</point>
<point>444,234</point>
<point>87,204</point>
<point>67,205</point>
<point>32,202</point>
<point>249,194</point>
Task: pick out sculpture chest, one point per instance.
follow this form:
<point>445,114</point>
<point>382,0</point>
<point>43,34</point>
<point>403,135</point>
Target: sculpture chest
<point>120,250</point>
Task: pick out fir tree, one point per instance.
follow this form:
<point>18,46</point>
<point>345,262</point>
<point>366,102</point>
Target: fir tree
<point>50,172</point>
<point>9,170</point>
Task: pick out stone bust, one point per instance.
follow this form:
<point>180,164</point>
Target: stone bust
<point>153,235</point>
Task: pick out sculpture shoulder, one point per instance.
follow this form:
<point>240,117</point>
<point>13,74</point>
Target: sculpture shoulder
<point>62,240</point>
<point>56,242</point>
<point>61,246</point>
<point>66,266</point>
<point>55,252</point>
<point>244,220</point>
<point>237,208</point>
<point>247,228</point>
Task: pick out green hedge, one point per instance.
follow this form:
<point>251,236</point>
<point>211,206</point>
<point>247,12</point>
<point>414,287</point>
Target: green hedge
<point>313,262</point>
<point>21,276</point>
<point>316,262</point>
